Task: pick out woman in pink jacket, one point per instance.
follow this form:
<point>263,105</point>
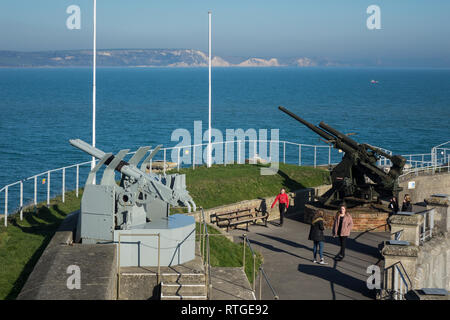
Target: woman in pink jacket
<point>342,226</point>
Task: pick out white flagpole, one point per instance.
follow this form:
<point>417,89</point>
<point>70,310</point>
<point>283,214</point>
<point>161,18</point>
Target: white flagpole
<point>94,80</point>
<point>209,97</point>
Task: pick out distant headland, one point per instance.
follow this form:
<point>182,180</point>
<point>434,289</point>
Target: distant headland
<point>148,58</point>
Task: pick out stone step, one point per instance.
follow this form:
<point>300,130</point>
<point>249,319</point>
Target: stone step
<point>183,278</point>
<point>171,289</point>
<point>178,297</point>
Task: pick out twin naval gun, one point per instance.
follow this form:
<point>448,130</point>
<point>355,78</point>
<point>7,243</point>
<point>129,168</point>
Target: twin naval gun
<point>135,212</point>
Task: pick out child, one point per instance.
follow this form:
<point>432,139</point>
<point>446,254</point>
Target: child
<point>316,235</point>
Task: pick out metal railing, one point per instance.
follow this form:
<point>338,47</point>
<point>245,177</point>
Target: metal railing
<point>158,272</point>
<point>426,227</point>
<point>46,179</point>
<point>398,234</point>
<point>440,152</point>
<point>396,282</point>
<point>430,169</point>
<point>246,242</point>
<point>206,254</point>
<point>26,192</point>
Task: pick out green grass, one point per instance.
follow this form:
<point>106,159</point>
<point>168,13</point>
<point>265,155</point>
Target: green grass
<point>233,183</point>
<point>22,242</point>
<point>225,253</point>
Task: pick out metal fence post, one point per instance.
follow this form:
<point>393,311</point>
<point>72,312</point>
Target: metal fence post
<point>159,258</point>
<point>395,283</point>
<point>254,272</point>
<point>260,283</point>
<point>284,151</point>
<point>164,163</point>
<point>315,155</point>
<point>193,157</point>
<point>243,255</point>
<point>77,180</point>
<point>225,155</point>
<point>21,200</point>
<point>239,151</point>
<point>6,206</point>
<point>63,185</point>
<point>178,162</point>
<point>329,155</point>
<point>48,188</point>
<point>35,191</point>
<point>299,154</point>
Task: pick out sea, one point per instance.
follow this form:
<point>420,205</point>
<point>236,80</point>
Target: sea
<point>403,110</point>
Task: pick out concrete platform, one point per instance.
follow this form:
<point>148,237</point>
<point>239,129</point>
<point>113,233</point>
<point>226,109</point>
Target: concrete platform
<point>230,284</point>
<point>51,275</point>
<point>288,262</point>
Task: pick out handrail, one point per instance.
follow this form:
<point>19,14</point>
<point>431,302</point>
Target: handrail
<point>397,234</point>
<point>158,276</point>
<point>397,290</point>
<point>206,255</point>
<point>205,251</point>
<point>425,232</point>
<point>399,263</point>
<point>262,272</point>
<point>246,241</point>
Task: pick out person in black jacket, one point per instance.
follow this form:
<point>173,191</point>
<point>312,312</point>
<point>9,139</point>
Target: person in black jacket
<point>316,235</point>
<point>407,206</point>
<point>393,206</point>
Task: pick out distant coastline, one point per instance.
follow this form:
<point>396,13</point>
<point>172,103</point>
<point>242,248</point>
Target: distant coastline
<point>147,58</point>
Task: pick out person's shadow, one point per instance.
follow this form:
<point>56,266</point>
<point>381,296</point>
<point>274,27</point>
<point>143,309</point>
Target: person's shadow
<point>354,245</point>
<point>336,277</point>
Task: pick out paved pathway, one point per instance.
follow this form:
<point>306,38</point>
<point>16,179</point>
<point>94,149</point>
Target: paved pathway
<point>288,262</point>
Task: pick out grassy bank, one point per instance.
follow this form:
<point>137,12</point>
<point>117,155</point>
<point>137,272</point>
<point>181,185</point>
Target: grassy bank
<point>221,185</point>
<point>22,242</point>
<point>225,253</point>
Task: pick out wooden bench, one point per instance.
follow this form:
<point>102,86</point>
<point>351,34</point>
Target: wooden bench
<point>225,218</point>
<point>225,215</point>
<point>243,216</point>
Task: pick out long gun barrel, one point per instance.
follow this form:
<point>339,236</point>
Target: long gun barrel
<point>317,130</point>
<point>122,167</point>
<point>339,135</point>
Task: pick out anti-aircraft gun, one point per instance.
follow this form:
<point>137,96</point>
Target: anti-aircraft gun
<point>350,178</point>
<point>139,200</point>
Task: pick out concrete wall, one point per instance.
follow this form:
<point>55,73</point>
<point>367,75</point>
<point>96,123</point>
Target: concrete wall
<point>427,263</point>
<point>425,186</point>
<point>433,264</point>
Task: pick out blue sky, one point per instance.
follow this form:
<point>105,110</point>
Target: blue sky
<point>412,30</point>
